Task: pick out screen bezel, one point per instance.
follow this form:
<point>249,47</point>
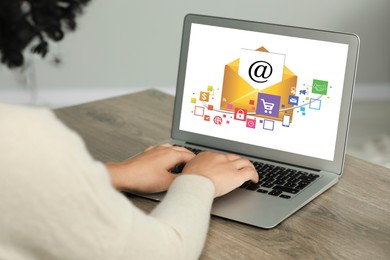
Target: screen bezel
<point>335,166</point>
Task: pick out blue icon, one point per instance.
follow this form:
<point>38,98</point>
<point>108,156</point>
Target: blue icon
<point>293,100</point>
<point>315,104</point>
<point>303,92</point>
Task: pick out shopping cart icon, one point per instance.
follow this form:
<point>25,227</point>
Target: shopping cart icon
<point>268,106</point>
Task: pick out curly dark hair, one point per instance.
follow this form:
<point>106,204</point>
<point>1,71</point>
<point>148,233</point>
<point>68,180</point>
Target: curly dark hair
<point>22,21</point>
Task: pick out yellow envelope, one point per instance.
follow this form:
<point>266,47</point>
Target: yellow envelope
<point>238,93</point>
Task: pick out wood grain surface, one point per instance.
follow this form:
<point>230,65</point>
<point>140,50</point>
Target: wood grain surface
<point>349,221</point>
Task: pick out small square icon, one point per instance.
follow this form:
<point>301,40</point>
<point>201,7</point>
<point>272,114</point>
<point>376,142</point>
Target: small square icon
<point>199,111</point>
<point>210,88</point>
<point>251,102</point>
<point>210,107</point>
<point>240,114</point>
<point>315,104</point>
<point>193,100</point>
<point>293,100</point>
<point>268,125</point>
<point>206,118</point>
<point>204,96</point>
<point>268,105</point>
<point>229,106</point>
<point>251,123</point>
<point>319,87</point>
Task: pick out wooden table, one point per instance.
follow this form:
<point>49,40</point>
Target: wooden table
<point>349,221</point>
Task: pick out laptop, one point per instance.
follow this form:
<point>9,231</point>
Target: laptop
<point>277,95</point>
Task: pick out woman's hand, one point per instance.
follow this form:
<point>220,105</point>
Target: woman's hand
<point>148,172</point>
<point>226,171</point>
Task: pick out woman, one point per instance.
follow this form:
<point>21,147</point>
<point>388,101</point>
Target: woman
<point>57,202</point>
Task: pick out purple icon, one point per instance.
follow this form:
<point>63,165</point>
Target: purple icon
<point>268,105</point>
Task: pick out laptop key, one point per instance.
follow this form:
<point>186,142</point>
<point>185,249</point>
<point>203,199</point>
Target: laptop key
<point>245,184</point>
<point>285,196</point>
<point>267,185</point>
<point>252,186</point>
<point>290,184</point>
<point>286,189</point>
<point>279,182</point>
<point>275,192</point>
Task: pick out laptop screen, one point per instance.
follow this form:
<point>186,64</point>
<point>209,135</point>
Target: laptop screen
<point>268,90</point>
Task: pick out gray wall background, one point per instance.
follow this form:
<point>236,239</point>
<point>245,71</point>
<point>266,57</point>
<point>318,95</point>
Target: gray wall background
<point>127,44</point>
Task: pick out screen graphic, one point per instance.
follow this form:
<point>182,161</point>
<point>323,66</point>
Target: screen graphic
<point>267,90</point>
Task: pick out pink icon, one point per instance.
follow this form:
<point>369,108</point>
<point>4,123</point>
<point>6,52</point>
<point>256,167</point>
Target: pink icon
<point>251,123</point>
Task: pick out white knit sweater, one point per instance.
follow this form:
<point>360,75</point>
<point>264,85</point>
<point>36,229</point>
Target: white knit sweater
<point>57,202</point>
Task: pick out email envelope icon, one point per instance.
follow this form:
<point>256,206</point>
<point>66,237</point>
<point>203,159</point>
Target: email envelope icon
<point>238,93</point>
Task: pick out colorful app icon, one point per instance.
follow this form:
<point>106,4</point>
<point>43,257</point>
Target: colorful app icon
<point>251,123</point>
<point>204,96</point>
<point>218,120</point>
<point>319,87</point>
<point>268,105</point>
<point>293,100</point>
<point>206,118</point>
<point>240,114</point>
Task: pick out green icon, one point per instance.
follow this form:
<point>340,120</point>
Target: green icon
<point>319,87</point>
<point>210,88</point>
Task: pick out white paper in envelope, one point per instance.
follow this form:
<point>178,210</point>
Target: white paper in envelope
<point>261,69</point>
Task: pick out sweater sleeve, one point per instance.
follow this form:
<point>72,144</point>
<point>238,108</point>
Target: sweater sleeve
<point>58,202</point>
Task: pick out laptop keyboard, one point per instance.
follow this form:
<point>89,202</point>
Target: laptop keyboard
<point>273,180</point>
<point>279,181</point>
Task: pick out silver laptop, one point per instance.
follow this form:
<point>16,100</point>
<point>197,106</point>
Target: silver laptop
<point>277,95</point>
